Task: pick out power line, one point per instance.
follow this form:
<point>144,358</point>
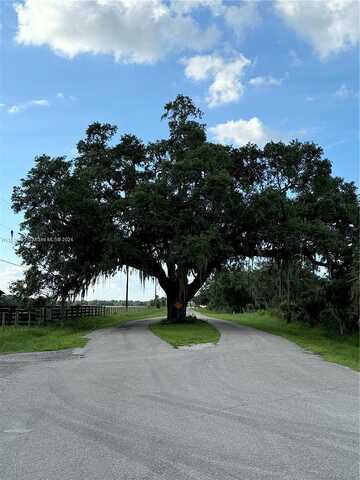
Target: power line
<point>10,263</point>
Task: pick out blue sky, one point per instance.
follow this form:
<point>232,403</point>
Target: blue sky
<point>259,70</point>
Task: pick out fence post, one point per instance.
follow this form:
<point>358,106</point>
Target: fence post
<point>29,318</point>
<point>16,318</point>
<point>3,319</point>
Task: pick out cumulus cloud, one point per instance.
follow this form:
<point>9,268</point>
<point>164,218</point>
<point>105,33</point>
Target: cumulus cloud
<point>145,31</point>
<point>20,107</point>
<point>133,31</point>
<point>330,26</point>
<point>267,81</point>
<point>240,132</point>
<point>225,76</point>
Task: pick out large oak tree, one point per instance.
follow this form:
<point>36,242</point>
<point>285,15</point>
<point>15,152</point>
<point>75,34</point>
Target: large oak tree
<point>177,209</point>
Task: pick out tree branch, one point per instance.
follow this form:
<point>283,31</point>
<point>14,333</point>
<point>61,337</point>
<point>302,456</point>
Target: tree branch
<point>198,281</point>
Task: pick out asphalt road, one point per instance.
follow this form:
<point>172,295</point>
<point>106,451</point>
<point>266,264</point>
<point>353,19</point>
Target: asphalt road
<point>253,407</point>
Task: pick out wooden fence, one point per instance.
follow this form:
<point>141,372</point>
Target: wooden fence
<point>53,315</point>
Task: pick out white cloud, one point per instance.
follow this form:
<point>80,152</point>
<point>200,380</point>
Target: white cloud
<point>20,107</point>
<point>133,31</point>
<point>330,26</point>
<point>8,274</point>
<point>265,81</point>
<point>225,76</point>
<point>238,16</point>
<point>241,17</point>
<point>40,103</point>
<point>345,92</point>
<point>63,96</point>
<point>185,6</point>
<point>240,132</point>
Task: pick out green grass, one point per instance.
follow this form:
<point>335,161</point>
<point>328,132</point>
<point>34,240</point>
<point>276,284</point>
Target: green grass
<point>189,332</point>
<point>73,334</point>
<point>343,350</point>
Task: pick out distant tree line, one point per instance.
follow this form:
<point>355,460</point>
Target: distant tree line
<point>24,301</point>
<point>131,303</point>
<point>293,287</point>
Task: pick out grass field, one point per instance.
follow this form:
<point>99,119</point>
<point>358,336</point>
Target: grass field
<point>190,332</point>
<point>343,350</point>
<point>73,334</point>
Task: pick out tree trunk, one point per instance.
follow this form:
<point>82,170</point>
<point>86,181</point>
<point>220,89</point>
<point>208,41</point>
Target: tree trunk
<point>179,292</point>
<point>176,308</point>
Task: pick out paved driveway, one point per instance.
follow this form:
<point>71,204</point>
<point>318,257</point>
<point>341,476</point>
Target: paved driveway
<point>253,407</point>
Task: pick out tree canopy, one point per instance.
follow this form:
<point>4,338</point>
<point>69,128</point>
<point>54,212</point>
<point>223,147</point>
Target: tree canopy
<point>178,209</point>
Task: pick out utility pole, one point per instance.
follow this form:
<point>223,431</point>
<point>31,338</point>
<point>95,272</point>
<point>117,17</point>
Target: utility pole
<point>127,288</point>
